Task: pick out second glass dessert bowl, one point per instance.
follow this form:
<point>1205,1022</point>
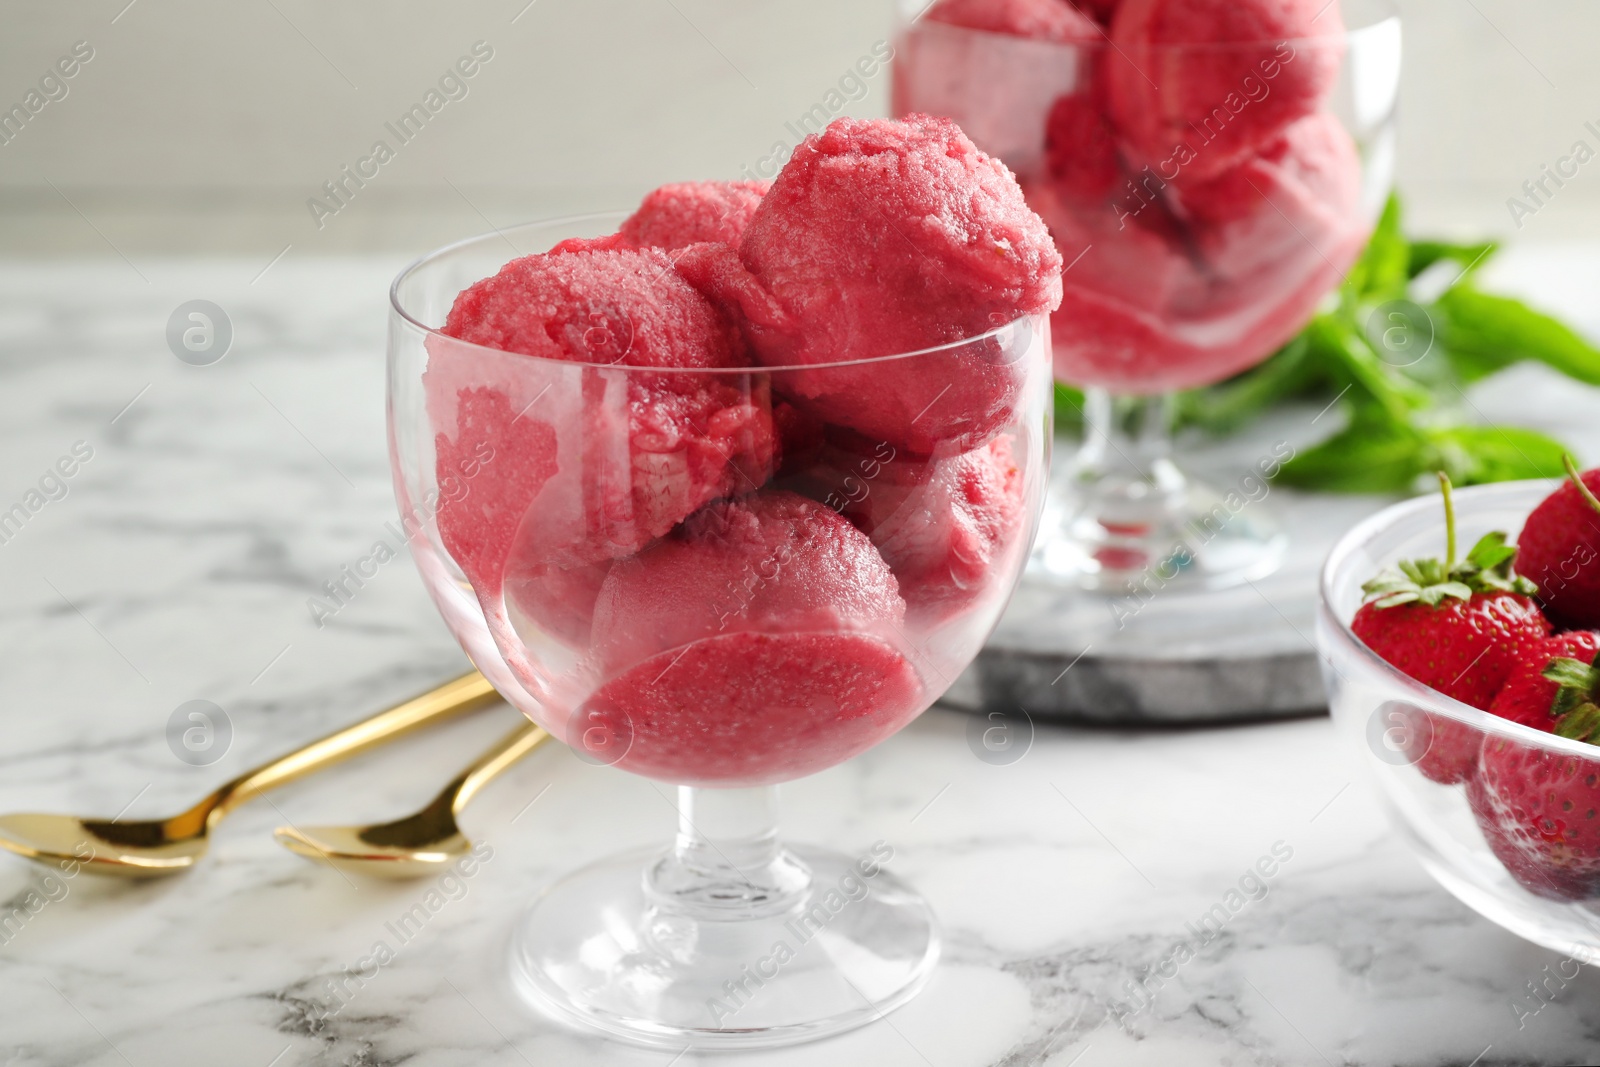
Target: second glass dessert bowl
<point>825,588</point>
<point>1205,199</point>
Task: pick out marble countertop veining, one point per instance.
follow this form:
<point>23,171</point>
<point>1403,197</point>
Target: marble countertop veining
<point>1098,897</point>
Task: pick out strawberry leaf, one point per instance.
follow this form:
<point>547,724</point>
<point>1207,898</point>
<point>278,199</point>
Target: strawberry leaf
<point>1488,567</point>
<point>1579,724</point>
<point>1434,594</point>
<point>1578,685</point>
<point>1491,552</point>
<point>1415,581</point>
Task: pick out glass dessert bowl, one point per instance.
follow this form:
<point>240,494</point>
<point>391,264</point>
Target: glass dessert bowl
<point>1205,196</point>
<point>689,573</point>
<point>1425,752</point>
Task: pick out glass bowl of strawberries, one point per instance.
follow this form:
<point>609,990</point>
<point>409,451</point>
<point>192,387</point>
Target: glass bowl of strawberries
<point>1468,683</point>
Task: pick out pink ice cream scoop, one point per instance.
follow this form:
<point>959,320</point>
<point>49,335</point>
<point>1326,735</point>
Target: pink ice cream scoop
<point>1080,147</point>
<point>880,238</point>
<point>1044,20</point>
<point>1276,234</point>
<point>944,528</point>
<point>558,600</point>
<point>1294,201</point>
<point>1025,46</point>
<point>565,491</point>
<point>686,213</point>
<point>478,511</point>
<point>942,524</point>
<point>677,215</point>
<point>774,562</point>
<point>1140,262</point>
<point>756,643</point>
<point>1206,280</point>
<point>747,709</point>
<point>1201,85</point>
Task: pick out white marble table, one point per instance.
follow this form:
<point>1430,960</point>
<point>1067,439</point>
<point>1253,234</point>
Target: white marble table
<point>178,567</point>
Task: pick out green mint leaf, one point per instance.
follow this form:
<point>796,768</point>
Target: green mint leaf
<point>1487,327</point>
<point>1471,257</point>
<point>1383,269</point>
<point>1469,364</point>
<point>1231,405</point>
<point>1373,454</point>
<point>1069,408</point>
<point>1348,352</point>
<point>1479,455</point>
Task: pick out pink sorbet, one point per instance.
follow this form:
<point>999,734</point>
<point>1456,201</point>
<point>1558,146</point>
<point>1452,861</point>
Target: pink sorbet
<point>560,491</point>
<point>745,709</point>
<point>1044,20</point>
<point>1081,147</point>
<point>686,213</point>
<point>1209,277</point>
<point>1201,85</point>
<point>773,562</point>
<point>756,643</point>
<point>558,600</point>
<point>943,525</point>
<point>1017,77</point>
<point>879,238</point>
<point>1298,201</point>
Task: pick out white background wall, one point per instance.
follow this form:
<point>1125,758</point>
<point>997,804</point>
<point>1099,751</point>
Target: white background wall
<point>204,126</point>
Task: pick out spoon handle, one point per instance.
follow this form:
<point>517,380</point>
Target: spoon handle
<point>487,767</point>
<point>464,694</point>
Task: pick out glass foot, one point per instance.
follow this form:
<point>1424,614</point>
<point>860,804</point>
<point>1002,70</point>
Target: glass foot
<point>1202,540</point>
<point>604,949</point>
<point>1126,518</point>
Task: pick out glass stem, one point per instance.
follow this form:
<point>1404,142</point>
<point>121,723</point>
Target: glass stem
<point>1125,470</point>
<point>726,861</point>
<point>1127,436</point>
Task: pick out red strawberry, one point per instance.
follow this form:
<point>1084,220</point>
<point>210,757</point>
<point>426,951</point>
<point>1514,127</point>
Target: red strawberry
<point>1456,627</point>
<point>1540,810</point>
<point>1529,695</point>
<point>1560,550</point>
<point>1521,852</point>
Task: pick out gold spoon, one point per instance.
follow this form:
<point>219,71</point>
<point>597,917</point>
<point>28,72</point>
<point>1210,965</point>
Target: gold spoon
<point>419,844</point>
<point>155,847</point>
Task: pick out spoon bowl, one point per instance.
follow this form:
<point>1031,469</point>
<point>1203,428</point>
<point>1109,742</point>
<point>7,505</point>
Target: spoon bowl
<point>350,849</point>
<point>420,844</point>
<point>146,849</point>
